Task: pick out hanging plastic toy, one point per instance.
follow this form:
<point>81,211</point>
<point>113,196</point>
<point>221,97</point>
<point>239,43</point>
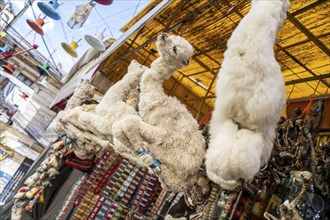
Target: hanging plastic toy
<point>11,52</point>
<point>71,48</point>
<point>96,41</point>
<point>80,15</point>
<point>49,9</point>
<point>36,25</point>
<point>5,48</point>
<point>44,73</point>
<point>44,69</point>
<point>9,68</point>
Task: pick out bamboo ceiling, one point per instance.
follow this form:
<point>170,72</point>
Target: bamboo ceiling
<point>302,47</point>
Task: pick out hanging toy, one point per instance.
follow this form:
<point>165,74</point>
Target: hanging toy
<point>79,17</point>
<point>96,41</point>
<point>71,48</point>
<point>11,51</point>
<point>44,69</point>
<point>2,33</point>
<point>5,48</point>
<point>36,25</point>
<point>49,9</point>
<point>44,73</point>
<point>104,2</point>
<point>9,68</point>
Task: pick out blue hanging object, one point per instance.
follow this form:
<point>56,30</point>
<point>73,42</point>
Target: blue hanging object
<point>5,48</point>
<point>49,9</point>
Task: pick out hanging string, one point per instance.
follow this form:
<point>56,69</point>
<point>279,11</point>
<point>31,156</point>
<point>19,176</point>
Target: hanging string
<point>25,36</point>
<point>66,37</point>
<point>136,8</point>
<point>291,91</point>
<point>317,86</point>
<point>34,38</point>
<point>106,24</point>
<point>51,57</point>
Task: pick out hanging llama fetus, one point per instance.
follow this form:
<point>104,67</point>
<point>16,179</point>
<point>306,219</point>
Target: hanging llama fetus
<point>165,135</point>
<point>250,95</point>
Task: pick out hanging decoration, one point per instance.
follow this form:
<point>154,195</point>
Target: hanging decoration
<point>44,69</point>
<point>44,73</point>
<point>28,195</point>
<point>79,17</point>
<point>5,48</point>
<point>11,51</point>
<point>104,2</point>
<point>49,9</point>
<point>71,48</point>
<point>36,25</point>
<point>2,33</point>
<point>96,41</point>
<point>9,68</point>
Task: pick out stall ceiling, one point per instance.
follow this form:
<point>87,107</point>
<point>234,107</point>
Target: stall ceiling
<point>302,47</point>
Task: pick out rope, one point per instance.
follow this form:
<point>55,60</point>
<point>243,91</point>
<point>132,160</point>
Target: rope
<point>136,8</point>
<point>104,22</point>
<point>51,57</point>
<point>25,36</point>
<point>66,37</point>
<point>34,38</point>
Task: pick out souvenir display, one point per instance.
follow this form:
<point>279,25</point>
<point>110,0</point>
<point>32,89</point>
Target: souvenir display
<point>27,195</point>
<point>115,188</point>
<point>15,181</point>
<point>142,138</point>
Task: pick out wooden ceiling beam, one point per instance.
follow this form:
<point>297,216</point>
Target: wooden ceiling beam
<point>307,79</point>
<point>308,33</point>
<point>308,7</point>
<point>305,41</point>
<point>300,63</point>
<point>201,72</point>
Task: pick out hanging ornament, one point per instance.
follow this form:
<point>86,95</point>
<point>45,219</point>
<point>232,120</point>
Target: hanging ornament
<point>2,33</point>
<point>96,41</point>
<point>49,9</point>
<point>79,17</point>
<point>104,2</point>
<point>11,51</point>
<point>36,25</point>
<point>5,48</point>
<point>44,73</point>
<point>71,48</point>
<point>9,68</point>
<point>44,69</point>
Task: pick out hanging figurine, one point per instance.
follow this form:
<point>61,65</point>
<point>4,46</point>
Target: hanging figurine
<point>79,17</point>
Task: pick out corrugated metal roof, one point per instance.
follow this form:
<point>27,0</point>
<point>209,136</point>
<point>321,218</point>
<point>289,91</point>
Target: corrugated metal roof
<point>302,49</point>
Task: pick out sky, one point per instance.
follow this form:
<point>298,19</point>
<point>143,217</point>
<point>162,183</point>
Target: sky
<point>112,17</point>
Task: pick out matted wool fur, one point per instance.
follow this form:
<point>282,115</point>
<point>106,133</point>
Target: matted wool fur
<point>113,105</point>
<point>250,96</point>
<point>165,126</point>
